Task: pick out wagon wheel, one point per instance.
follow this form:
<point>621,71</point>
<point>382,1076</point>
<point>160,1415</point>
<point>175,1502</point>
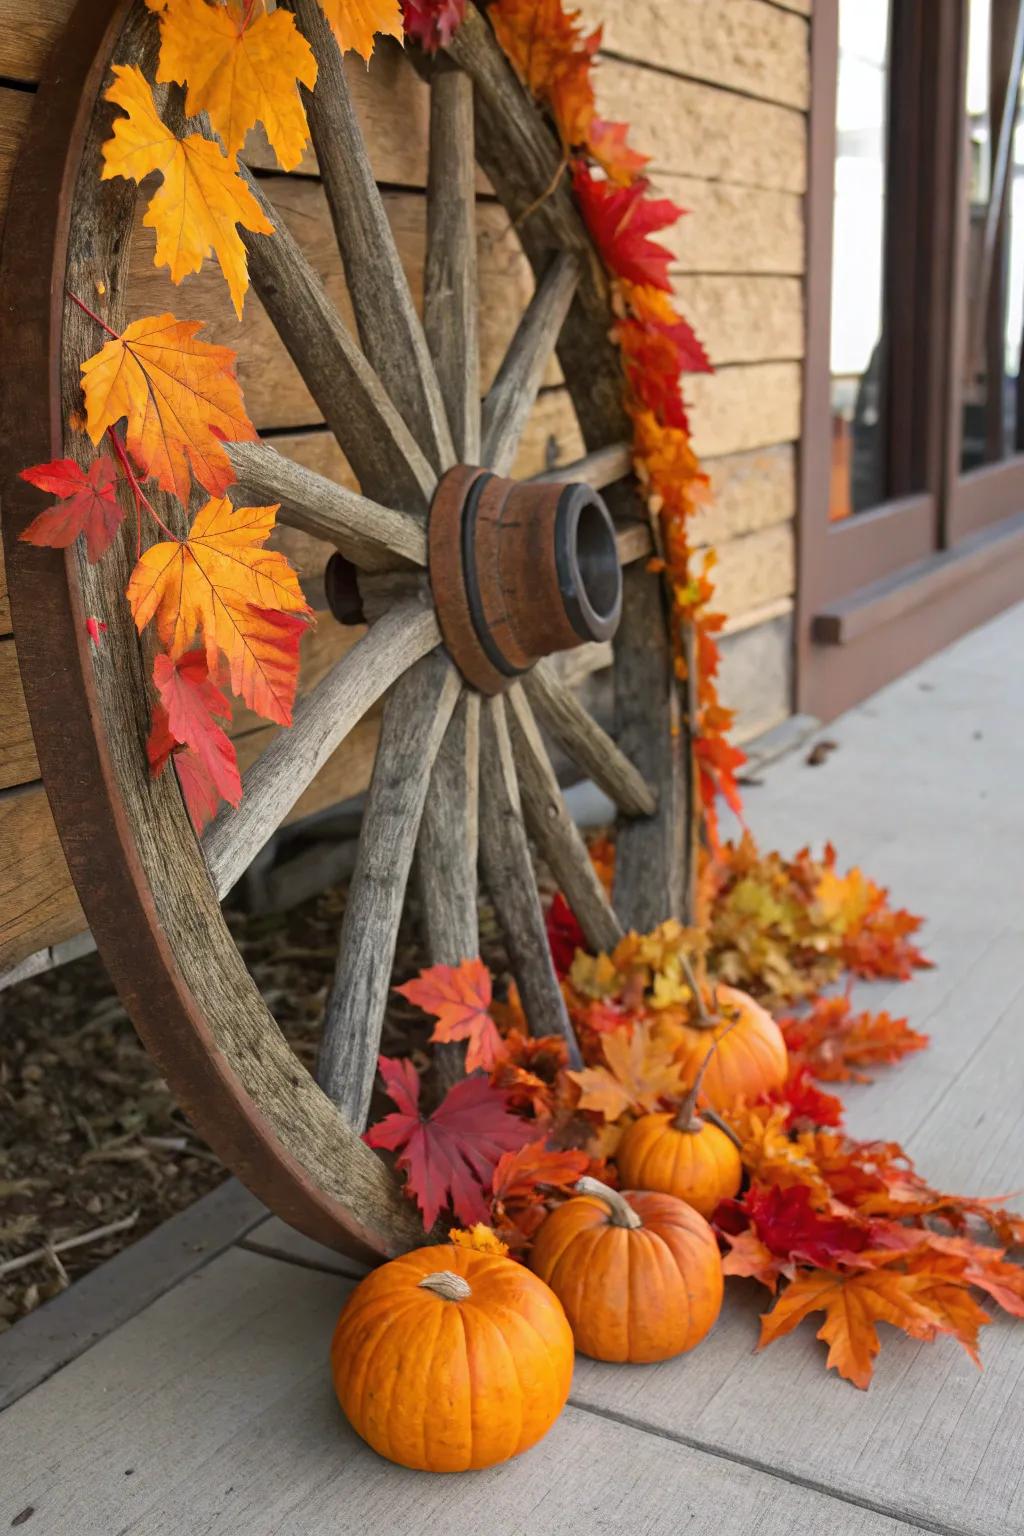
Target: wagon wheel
<point>469,580</point>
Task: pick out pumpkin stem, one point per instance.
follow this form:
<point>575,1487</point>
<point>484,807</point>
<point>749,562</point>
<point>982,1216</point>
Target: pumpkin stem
<point>620,1212</point>
<point>704,1020</point>
<point>446,1284</point>
<point>712,1115</point>
<point>686,1117</point>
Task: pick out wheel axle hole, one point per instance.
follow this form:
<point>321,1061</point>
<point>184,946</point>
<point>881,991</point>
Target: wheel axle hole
<point>597,561</point>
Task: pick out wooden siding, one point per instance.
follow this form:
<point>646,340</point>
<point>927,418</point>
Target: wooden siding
<point>717,94</point>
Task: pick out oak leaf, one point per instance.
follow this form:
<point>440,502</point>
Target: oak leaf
<point>448,1157</point>
<point>853,1304</point>
<point>355,22</point>
<point>181,400</point>
<point>640,1073</point>
<point>459,997</point>
<point>240,64</point>
<point>202,200</point>
<point>195,708</point>
<point>241,597</point>
<point>87,504</point>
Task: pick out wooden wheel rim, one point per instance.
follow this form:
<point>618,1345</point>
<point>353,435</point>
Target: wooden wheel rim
<point>139,872</point>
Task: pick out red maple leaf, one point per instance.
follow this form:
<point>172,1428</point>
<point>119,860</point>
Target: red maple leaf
<point>448,1157</point>
<point>607,143</point>
<point>432,23</point>
<point>198,790</point>
<point>620,220</point>
<point>194,705</point>
<point>88,504</point>
<point>806,1104</point>
<point>565,936</point>
<point>523,1182</point>
<point>787,1223</point>
<point>459,997</point>
<point>95,629</point>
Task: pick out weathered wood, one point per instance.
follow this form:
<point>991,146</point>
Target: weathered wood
<point>415,719</point>
<point>18,761</point>
<point>389,327</point>
<point>38,904</point>
<point>562,714</point>
<point>633,542</point>
<point>449,841</point>
<point>382,451</point>
<point>511,396</point>
<point>509,876</point>
<point>451,295</point>
<point>554,831</point>
<point>651,853</point>
<point>373,537</point>
<point>446,859</point>
<point>322,719</point>
<point>597,469</point>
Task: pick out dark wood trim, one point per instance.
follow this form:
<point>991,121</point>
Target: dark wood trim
<point>875,636</point>
<point>841,564</point>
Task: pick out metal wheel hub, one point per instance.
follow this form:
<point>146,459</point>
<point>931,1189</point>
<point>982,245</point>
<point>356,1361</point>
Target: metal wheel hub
<point>518,571</point>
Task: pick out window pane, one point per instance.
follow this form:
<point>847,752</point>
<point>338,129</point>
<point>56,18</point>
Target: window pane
<point>858,262</point>
<point>994,308</point>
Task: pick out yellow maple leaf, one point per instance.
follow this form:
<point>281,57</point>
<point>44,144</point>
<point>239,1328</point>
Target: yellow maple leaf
<point>202,200</point>
<point>355,22</point>
<point>181,400</point>
<point>640,1072</point>
<point>223,583</point>
<point>479,1237</point>
<point>241,65</point>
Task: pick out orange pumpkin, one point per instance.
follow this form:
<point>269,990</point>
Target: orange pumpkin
<point>639,1274</point>
<point>751,1062</point>
<point>680,1154</point>
<point>448,1360</point>
<point>692,1160</point>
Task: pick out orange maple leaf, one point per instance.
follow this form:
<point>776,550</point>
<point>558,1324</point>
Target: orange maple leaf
<point>240,64</point>
<point>552,57</point>
<point>355,22</point>
<point>853,1304</point>
<point>221,581</point>
<point>181,400</point>
<point>480,1237</point>
<point>202,200</point>
<point>640,1072</point>
<point>459,997</point>
<point>607,143</point>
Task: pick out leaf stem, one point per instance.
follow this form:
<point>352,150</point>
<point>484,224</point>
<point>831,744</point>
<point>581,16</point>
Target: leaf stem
<point>91,313</point>
<point>141,499</point>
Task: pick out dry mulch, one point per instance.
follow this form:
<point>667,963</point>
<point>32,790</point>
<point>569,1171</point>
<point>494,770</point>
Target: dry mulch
<point>89,1135</point>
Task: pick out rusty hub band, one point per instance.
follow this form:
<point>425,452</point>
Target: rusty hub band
<point>518,571</point>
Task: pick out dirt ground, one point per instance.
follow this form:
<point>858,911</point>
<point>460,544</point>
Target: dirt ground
<point>90,1137</point>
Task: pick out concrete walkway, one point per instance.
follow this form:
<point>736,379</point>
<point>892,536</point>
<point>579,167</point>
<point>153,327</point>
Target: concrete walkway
<point>210,1411</point>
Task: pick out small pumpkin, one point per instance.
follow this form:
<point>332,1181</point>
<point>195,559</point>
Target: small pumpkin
<point>639,1274</point>
<point>751,1062</point>
<point>449,1360</point>
<point>681,1154</point>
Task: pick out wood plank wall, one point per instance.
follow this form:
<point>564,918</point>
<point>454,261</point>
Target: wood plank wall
<point>717,93</point>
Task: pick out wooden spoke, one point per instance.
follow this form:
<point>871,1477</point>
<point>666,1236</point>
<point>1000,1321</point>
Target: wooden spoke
<point>450,294</point>
<point>449,838</point>
<point>446,860</point>
<point>415,719</point>
<point>554,831</point>
<point>602,467</point>
<point>389,327</point>
<point>323,718</point>
<point>512,395</point>
<point>373,537</point>
<point>592,749</point>
<point>387,460</point>
<point>634,542</point>
<point>651,855</point>
<point>508,873</point>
